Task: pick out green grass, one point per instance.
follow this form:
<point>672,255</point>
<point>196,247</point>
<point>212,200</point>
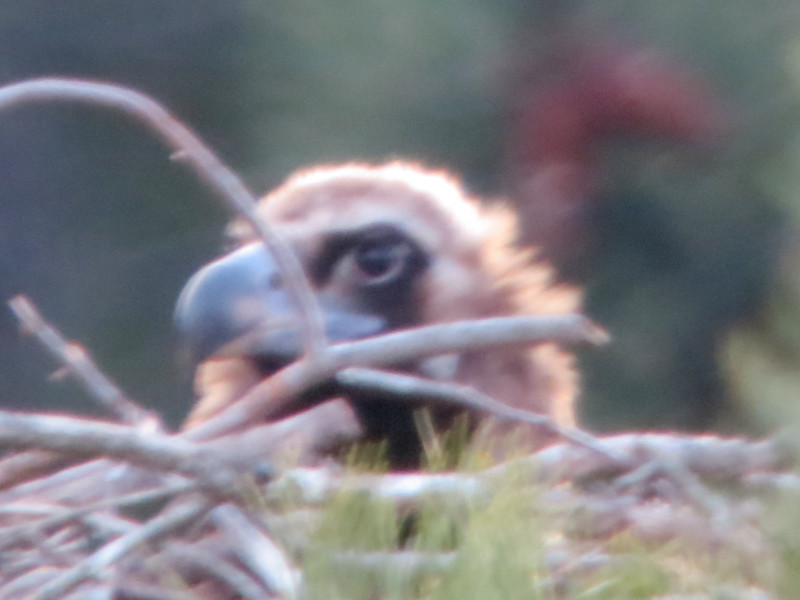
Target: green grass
<point>505,545</point>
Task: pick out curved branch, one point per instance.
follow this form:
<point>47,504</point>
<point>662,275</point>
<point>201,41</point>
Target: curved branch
<point>191,150</point>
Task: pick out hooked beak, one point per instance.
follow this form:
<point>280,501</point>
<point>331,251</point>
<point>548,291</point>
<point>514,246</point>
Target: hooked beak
<point>238,305</point>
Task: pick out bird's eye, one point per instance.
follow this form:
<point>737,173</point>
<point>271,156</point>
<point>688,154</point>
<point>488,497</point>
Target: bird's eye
<point>378,261</point>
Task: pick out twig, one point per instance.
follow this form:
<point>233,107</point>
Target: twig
<point>257,551</point>
<point>316,486</point>
<point>275,395</point>
<point>774,482</point>
<point>190,149</point>
<point>722,460</point>
<point>409,388</point>
<point>193,558</point>
<point>137,591</point>
<point>689,484</point>
<point>714,458</point>
<point>93,566</point>
<point>432,340</point>
<point>80,364</point>
<point>57,481</point>
<point>307,436</point>
<point>25,466</point>
<point>59,514</point>
<point>90,439</point>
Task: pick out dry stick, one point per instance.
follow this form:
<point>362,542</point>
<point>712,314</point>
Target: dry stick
<point>275,395</point>
<point>312,431</point>
<point>80,364</point>
<point>54,481</point>
<point>407,387</point>
<point>251,546</point>
<point>723,460</point>
<point>25,466</point>
<point>93,566</point>
<point>85,438</point>
<point>308,434</point>
<point>13,533</point>
<point>447,338</point>
<point>193,558</point>
<point>34,463</point>
<point>141,591</point>
<point>190,149</point>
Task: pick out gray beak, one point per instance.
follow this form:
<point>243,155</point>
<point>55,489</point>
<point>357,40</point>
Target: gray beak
<point>238,306</point>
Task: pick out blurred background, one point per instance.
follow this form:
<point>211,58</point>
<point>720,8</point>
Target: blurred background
<point>651,148</point>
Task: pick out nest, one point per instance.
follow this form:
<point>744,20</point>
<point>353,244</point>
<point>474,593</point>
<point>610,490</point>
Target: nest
<point>130,512</point>
<point>124,509</point>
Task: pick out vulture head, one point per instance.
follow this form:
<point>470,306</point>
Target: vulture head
<point>383,248</point>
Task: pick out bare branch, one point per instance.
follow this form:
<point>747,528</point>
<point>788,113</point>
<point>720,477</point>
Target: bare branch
<point>276,394</point>
<point>135,591</point>
<point>192,557</point>
<point>90,439</point>
<point>401,387</point>
<point>58,515</point>
<point>713,458</point>
<point>93,566</point>
<point>24,466</point>
<point>191,150</point>
<point>81,366</point>
<point>56,482</point>
<point>257,551</point>
<point>719,459</point>
<point>446,338</point>
<point>307,436</point>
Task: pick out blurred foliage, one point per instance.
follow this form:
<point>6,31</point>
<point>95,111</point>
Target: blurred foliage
<point>761,357</point>
<point>691,238</point>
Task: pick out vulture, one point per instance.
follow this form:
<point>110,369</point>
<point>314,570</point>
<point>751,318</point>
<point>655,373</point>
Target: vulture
<point>383,247</point>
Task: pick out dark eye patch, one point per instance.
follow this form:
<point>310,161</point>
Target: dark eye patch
<point>374,247</point>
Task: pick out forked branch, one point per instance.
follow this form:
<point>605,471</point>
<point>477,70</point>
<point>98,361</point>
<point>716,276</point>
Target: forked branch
<point>75,358</point>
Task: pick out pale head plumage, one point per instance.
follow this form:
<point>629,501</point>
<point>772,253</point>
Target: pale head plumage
<point>478,269</point>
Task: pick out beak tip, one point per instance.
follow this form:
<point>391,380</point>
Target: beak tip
<point>221,301</point>
<point>236,306</point>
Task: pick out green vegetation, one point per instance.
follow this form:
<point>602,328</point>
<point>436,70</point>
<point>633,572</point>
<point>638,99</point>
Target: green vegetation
<point>522,541</point>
